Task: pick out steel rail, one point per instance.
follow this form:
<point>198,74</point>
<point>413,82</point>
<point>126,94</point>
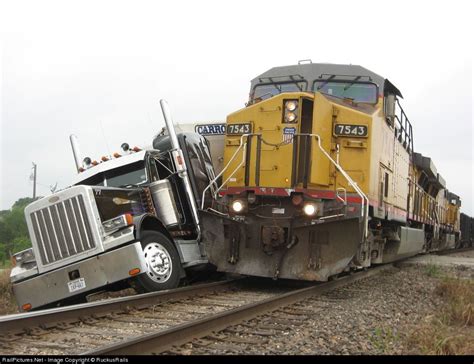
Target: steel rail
<point>454,251</point>
<point>51,317</point>
<point>158,342</point>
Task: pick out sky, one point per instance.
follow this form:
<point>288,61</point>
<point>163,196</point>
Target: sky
<point>97,69</point>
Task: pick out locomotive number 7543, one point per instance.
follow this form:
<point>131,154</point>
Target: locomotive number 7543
<point>350,130</point>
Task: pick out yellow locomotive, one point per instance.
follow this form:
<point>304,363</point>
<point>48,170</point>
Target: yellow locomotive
<point>320,177</point>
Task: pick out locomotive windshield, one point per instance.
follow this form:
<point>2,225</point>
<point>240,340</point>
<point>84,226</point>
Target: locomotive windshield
<point>265,91</point>
<point>359,92</point>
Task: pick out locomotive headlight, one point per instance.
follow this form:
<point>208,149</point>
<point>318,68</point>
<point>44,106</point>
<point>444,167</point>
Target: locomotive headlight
<point>290,117</point>
<point>237,206</point>
<point>310,209</point>
<point>291,105</point>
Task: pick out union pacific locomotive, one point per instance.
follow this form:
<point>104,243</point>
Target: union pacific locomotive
<point>320,176</point>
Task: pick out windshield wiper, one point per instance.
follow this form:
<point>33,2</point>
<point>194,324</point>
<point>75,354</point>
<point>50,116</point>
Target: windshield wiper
<point>296,83</point>
<point>325,82</point>
<point>350,84</point>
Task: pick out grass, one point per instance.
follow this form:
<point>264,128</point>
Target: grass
<point>7,300</point>
<point>433,270</point>
<point>5,264</point>
<point>383,339</point>
<point>450,330</point>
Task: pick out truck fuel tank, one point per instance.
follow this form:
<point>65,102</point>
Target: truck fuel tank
<point>164,201</point>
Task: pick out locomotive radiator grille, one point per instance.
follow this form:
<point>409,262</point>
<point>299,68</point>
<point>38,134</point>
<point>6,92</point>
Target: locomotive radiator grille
<point>62,230</point>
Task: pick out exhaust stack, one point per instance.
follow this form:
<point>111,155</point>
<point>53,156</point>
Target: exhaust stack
<point>180,162</point>
<point>75,151</point>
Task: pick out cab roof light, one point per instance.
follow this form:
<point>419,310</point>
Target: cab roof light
<point>125,147</point>
<point>104,159</point>
<point>136,149</point>
<point>117,155</point>
<point>94,163</point>
<point>87,161</point>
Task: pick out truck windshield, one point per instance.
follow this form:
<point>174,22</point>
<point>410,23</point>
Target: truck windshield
<point>133,174</point>
<point>268,90</point>
<point>359,92</point>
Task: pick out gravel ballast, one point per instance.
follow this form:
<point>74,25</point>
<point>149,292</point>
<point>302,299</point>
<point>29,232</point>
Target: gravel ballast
<point>371,316</point>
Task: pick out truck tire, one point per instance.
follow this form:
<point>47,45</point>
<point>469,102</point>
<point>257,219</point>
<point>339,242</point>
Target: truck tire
<point>163,264</point>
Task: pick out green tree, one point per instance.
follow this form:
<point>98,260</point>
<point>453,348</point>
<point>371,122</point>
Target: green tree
<point>13,230</point>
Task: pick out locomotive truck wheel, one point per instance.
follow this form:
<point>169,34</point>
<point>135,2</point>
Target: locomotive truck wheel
<point>162,261</point>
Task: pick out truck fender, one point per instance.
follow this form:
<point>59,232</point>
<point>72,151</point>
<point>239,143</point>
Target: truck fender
<point>150,222</point>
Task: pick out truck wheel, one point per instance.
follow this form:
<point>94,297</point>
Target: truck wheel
<point>163,263</point>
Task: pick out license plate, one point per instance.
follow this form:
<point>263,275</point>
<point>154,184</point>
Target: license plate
<point>76,285</point>
<point>277,210</point>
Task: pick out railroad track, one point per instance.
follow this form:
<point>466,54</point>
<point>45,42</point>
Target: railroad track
<point>164,322</point>
<point>454,251</point>
<point>87,327</point>
<point>160,322</point>
<point>280,310</point>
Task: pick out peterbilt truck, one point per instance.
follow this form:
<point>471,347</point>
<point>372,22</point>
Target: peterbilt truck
<point>130,219</point>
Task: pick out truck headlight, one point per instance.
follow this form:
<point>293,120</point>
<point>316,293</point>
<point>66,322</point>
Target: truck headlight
<point>22,257</point>
<point>117,222</point>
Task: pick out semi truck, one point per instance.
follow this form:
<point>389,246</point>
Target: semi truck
<point>130,219</point>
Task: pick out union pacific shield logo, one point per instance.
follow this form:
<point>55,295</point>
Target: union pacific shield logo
<point>288,135</point>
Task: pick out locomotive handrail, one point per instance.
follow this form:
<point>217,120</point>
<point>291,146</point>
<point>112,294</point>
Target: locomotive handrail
<point>344,200</point>
<point>365,200</point>
<point>225,168</point>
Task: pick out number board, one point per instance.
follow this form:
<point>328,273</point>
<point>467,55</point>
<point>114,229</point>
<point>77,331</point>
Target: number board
<point>239,129</point>
<point>351,130</point>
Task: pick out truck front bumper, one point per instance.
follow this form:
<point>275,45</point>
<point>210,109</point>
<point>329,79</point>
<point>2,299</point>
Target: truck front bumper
<point>89,274</point>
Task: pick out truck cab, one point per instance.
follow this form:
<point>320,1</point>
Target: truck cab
<point>126,220</point>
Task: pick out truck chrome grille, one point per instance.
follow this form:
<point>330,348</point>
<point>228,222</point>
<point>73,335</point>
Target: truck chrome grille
<point>62,230</point>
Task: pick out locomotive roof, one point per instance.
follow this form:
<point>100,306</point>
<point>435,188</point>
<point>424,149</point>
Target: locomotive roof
<point>322,71</point>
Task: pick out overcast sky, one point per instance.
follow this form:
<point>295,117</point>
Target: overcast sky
<point>80,67</point>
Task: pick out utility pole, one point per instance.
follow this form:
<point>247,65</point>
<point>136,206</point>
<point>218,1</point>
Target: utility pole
<point>34,180</point>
